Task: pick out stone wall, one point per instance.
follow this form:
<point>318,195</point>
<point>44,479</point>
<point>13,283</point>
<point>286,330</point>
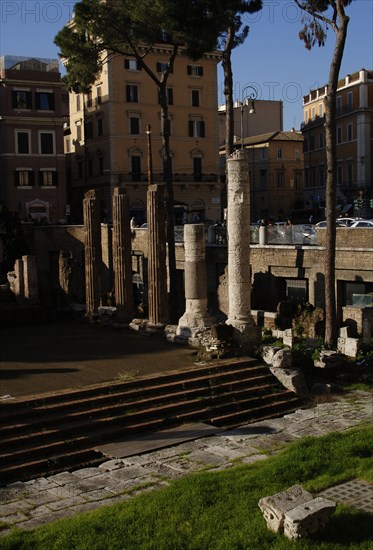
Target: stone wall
<point>270,265</point>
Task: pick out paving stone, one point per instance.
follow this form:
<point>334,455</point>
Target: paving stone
<point>63,478</point>
<point>98,495</point>
<point>65,503</point>
<point>204,458</point>
<point>85,473</point>
<point>111,465</point>
<point>224,452</point>
<point>40,484</point>
<point>129,472</point>
<point>66,491</point>
<point>12,507</point>
<point>164,471</point>
<point>42,497</point>
<point>253,458</point>
<point>14,518</point>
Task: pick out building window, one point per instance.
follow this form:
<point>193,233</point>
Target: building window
<point>90,167</point>
<point>321,176</point>
<point>134,125</point>
<point>305,145</point>
<point>297,154</point>
<point>194,70</point>
<point>197,168</point>
<point>45,101</point>
<point>79,132</point>
<point>132,93</point>
<point>68,146</point>
<point>161,67</point>
<point>263,153</point>
<point>349,101</point>
<point>136,168</point>
<point>46,143</point>
<point>306,177</point>
<point>98,94</point>
<point>88,130</point>
<point>339,135</point>
<point>298,181</point>
<point>313,176</point>
<point>313,113</point>
<point>99,127</point>
<point>321,140</point>
<point>195,98</point>
<point>350,173</point>
<point>78,106</point>
<point>80,169</point>
<point>312,143</point>
<point>24,178</point>
<point>23,140</point>
<point>306,116</point>
<point>349,132</point>
<point>339,105</point>
<point>21,99</point>
<point>132,65</point>
<point>280,180</point>
<point>263,180</point>
<point>101,166</point>
<point>320,110</point>
<point>169,96</point>
<point>196,128</point>
<point>339,174</point>
<point>48,178</point>
<point>279,153</point>
<point>89,99</point>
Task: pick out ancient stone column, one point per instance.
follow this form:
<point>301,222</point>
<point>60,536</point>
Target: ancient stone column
<point>122,258</point>
<point>30,280</point>
<point>65,273</point>
<point>238,229</point>
<point>19,285</point>
<point>92,250</point>
<point>195,316</point>
<point>157,271</point>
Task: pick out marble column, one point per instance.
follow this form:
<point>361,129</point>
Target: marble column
<point>196,316</point>
<point>92,251</point>
<point>157,270</point>
<point>30,280</point>
<point>239,277</point>
<point>122,258</point>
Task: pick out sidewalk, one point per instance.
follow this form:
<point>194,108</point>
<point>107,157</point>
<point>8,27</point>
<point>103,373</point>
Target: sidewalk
<point>36,502</point>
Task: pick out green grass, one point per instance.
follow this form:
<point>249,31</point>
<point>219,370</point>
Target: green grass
<point>219,511</point>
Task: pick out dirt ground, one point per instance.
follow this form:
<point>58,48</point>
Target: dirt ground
<point>57,356</point>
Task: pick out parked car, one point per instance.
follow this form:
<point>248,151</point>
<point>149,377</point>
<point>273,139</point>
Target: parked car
<point>347,221</point>
<point>337,223</point>
<point>362,223</point>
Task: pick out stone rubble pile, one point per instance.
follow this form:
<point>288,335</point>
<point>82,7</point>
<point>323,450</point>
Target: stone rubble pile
<point>295,512</point>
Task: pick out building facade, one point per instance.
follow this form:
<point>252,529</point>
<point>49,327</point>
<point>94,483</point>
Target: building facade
<point>106,142</point>
<point>354,138</point>
<point>275,174</point>
<point>32,159</point>
<point>267,117</point>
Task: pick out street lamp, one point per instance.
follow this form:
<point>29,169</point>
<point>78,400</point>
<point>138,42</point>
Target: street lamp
<point>245,98</point>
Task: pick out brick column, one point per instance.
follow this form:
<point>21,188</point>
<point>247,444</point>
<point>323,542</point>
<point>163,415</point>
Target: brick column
<point>238,229</point>
<point>92,250</point>
<point>157,271</point>
<point>122,258</point>
<point>195,316</point>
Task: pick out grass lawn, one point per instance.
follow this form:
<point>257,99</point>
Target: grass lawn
<point>219,510</point>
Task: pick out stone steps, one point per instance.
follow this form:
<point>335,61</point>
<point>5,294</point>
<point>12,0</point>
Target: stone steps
<point>51,432</point>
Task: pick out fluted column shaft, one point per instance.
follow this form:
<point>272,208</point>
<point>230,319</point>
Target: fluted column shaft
<point>122,259</point>
<point>92,250</point>
<point>157,270</point>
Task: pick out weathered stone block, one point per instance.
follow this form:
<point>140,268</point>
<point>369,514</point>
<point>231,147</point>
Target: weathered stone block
<point>275,507</point>
<point>329,359</point>
<point>308,517</point>
<point>291,379</point>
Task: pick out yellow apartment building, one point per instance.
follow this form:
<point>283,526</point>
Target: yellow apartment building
<point>354,138</point>
<point>106,140</point>
<point>275,173</point>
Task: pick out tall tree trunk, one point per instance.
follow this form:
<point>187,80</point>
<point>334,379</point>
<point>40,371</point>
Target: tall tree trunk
<point>169,199</point>
<point>228,91</point>
<point>331,182</point>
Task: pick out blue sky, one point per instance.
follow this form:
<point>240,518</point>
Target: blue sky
<point>272,58</point>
